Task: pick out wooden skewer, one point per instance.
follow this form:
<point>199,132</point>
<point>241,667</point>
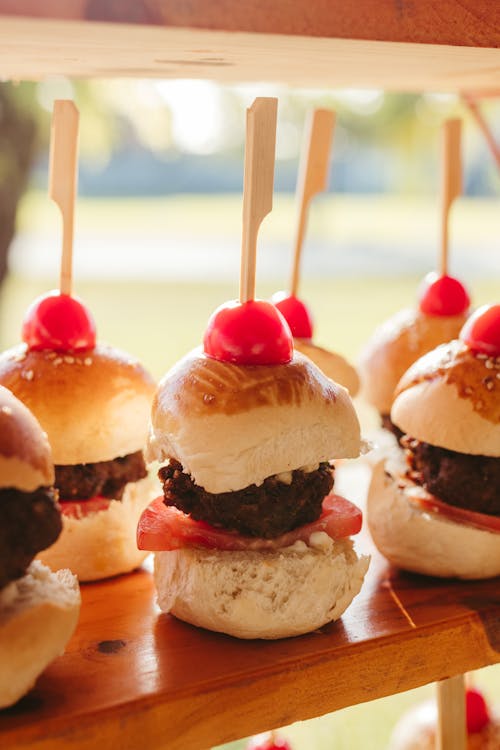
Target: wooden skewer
<point>451,729</point>
<point>63,179</point>
<point>258,183</point>
<point>451,181</point>
<point>471,103</point>
<point>312,177</point>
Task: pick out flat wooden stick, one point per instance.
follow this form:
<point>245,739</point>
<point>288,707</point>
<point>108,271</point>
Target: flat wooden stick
<point>451,731</point>
<point>312,177</point>
<point>258,184</point>
<point>451,181</point>
<point>472,105</point>
<point>63,176</point>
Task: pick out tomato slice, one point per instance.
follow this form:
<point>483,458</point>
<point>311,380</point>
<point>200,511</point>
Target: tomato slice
<point>82,508</point>
<point>164,527</point>
<point>432,504</point>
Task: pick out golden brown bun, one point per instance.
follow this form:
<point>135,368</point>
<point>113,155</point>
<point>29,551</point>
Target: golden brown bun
<point>422,542</point>
<point>232,426</point>
<point>333,365</point>
<point>251,594</point>
<point>395,345</point>
<point>94,406</point>
<point>38,614</point>
<point>416,730</point>
<point>451,398</point>
<point>25,458</point>
<point>103,544</point>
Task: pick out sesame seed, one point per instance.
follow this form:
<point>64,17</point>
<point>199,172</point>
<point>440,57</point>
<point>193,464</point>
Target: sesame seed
<point>27,374</point>
<point>489,364</point>
<point>6,410</point>
<point>87,361</point>
<point>57,361</point>
<point>480,355</point>
<point>51,355</point>
<point>69,360</point>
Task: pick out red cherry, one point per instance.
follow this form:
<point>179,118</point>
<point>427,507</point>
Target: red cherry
<point>58,322</point>
<point>269,743</point>
<point>248,333</point>
<point>296,314</point>
<point>476,711</point>
<point>482,330</point>
<point>442,295</point>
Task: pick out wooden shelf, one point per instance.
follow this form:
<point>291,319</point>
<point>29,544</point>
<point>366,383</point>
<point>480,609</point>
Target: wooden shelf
<point>133,677</point>
<point>447,46</point>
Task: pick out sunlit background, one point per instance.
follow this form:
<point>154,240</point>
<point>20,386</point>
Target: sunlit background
<point>158,231</point>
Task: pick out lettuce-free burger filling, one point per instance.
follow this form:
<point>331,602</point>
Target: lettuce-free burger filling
<point>460,479</point>
<point>266,511</point>
<point>105,478</point>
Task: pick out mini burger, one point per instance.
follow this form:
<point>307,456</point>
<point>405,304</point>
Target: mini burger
<point>248,538</point>
<point>405,337</point>
<point>434,507</point>
<point>93,401</point>
<point>38,609</point>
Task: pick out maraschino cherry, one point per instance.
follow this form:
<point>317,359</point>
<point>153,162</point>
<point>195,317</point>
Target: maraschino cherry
<point>481,332</point>
<point>248,333</point>
<point>476,711</point>
<point>295,313</point>
<point>58,322</point>
<point>442,295</point>
<point>269,742</point>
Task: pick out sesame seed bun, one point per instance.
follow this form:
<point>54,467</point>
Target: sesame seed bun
<point>94,406</point>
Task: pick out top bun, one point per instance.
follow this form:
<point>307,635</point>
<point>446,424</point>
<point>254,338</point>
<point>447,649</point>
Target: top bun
<point>25,458</point>
<point>451,398</point>
<point>94,406</point>
<point>231,426</point>
<point>395,345</point>
<point>333,365</point>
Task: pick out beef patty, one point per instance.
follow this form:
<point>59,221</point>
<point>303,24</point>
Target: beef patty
<point>389,425</point>
<point>29,522</point>
<point>105,478</point>
<point>266,511</point>
<point>460,479</point>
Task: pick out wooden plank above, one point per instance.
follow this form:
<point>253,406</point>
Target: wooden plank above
<point>308,55</point>
<point>133,677</point>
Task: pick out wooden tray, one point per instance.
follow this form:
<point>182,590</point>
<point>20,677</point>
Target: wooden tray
<point>135,678</point>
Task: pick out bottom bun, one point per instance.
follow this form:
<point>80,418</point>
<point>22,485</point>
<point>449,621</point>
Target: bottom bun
<point>38,614</point>
<point>103,544</point>
<point>271,594</point>
<point>422,542</point>
<point>416,730</point>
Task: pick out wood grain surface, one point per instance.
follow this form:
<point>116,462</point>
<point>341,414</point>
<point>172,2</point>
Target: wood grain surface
<point>133,677</point>
<point>445,46</point>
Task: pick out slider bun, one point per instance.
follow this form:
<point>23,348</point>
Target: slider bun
<point>260,594</point>
<point>232,426</point>
<point>333,365</point>
<point>94,406</point>
<point>38,614</point>
<point>422,542</point>
<point>416,730</point>
<point>25,458</point>
<point>395,345</point>
<point>103,544</point>
<point>444,399</point>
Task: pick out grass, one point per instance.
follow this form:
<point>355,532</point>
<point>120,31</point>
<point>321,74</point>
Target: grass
<point>159,321</point>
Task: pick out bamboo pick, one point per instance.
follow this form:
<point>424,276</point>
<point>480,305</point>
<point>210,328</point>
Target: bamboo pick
<point>451,728</point>
<point>258,183</point>
<point>312,177</point>
<point>472,105</point>
<point>63,179</point>
<point>451,182</point>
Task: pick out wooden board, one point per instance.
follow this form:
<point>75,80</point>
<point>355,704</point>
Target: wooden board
<point>395,46</point>
<point>133,677</point>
